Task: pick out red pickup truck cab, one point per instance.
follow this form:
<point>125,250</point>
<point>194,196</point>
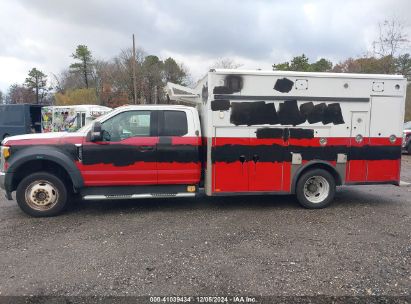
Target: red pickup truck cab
<point>132,152</point>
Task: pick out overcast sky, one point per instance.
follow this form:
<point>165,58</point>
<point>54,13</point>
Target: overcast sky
<point>256,33</point>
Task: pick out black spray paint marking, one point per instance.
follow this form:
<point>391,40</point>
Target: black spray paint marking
<point>283,85</point>
<point>222,90</point>
<point>253,113</point>
<point>126,155</point>
<point>270,133</point>
<point>289,114</point>
<point>204,92</point>
<point>69,150</point>
<point>333,114</point>
<point>301,133</point>
<point>285,134</point>
<point>232,84</point>
<point>220,105</point>
<point>282,153</point>
<point>306,108</point>
<point>317,113</point>
<point>260,112</point>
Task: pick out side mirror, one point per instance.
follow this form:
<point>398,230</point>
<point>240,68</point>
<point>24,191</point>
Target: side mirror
<point>96,132</point>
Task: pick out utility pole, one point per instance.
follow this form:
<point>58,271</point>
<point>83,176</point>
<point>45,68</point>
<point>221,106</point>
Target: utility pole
<point>134,72</point>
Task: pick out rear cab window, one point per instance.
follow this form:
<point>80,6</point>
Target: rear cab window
<point>173,123</point>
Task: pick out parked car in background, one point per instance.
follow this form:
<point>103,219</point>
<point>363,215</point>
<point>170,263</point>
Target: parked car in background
<point>69,118</point>
<point>17,119</point>
<point>406,137</point>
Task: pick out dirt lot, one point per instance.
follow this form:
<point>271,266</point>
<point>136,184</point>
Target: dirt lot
<point>361,245</point>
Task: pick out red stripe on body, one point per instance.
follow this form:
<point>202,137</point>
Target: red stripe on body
<point>238,177</point>
<point>131,141</point>
<point>178,173</point>
<point>194,141</point>
<point>139,173</point>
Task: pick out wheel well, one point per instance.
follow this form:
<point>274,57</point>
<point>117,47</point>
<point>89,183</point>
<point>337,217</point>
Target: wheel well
<point>34,166</point>
<point>330,169</point>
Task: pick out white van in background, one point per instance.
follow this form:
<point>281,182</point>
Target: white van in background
<point>69,118</point>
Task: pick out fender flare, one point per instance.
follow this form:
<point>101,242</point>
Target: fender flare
<point>310,164</point>
<point>53,154</point>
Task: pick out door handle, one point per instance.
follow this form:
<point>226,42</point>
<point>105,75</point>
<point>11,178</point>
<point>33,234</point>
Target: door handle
<point>242,159</point>
<point>256,158</point>
<point>146,148</point>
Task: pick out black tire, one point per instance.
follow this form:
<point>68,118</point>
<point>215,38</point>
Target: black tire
<point>409,149</point>
<point>49,188</point>
<point>318,178</point>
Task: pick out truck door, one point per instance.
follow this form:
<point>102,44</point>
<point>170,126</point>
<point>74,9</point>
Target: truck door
<point>357,169</point>
<point>178,157</point>
<point>265,163</point>
<point>384,122</point>
<point>127,153</point>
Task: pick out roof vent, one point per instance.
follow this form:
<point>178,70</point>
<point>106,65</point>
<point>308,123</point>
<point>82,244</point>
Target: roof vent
<point>301,84</point>
<point>378,86</point>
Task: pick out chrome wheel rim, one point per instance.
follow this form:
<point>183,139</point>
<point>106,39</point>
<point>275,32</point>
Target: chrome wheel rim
<point>316,189</point>
<point>41,195</point>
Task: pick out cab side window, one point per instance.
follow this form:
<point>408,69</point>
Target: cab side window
<point>127,124</point>
<point>173,123</point>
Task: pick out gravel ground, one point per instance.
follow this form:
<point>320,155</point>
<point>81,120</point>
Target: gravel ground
<point>359,246</point>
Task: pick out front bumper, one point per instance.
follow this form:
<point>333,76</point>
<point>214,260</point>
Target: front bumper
<point>3,186</point>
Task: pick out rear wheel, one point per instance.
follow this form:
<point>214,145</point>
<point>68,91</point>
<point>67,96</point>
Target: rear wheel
<point>409,149</point>
<point>315,189</point>
<point>41,194</point>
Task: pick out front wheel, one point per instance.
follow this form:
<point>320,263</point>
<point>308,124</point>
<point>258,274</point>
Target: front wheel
<point>315,189</point>
<point>41,194</point>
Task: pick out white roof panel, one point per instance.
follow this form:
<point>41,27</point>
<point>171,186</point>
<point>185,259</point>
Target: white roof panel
<point>306,74</point>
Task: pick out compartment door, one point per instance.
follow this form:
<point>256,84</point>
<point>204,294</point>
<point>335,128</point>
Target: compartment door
<point>265,163</point>
<point>230,159</point>
<point>357,169</point>
<point>386,120</point>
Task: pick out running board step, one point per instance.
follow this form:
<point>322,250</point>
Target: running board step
<point>136,196</point>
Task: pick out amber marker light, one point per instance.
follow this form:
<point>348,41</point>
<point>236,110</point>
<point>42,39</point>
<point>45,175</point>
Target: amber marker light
<point>191,188</point>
